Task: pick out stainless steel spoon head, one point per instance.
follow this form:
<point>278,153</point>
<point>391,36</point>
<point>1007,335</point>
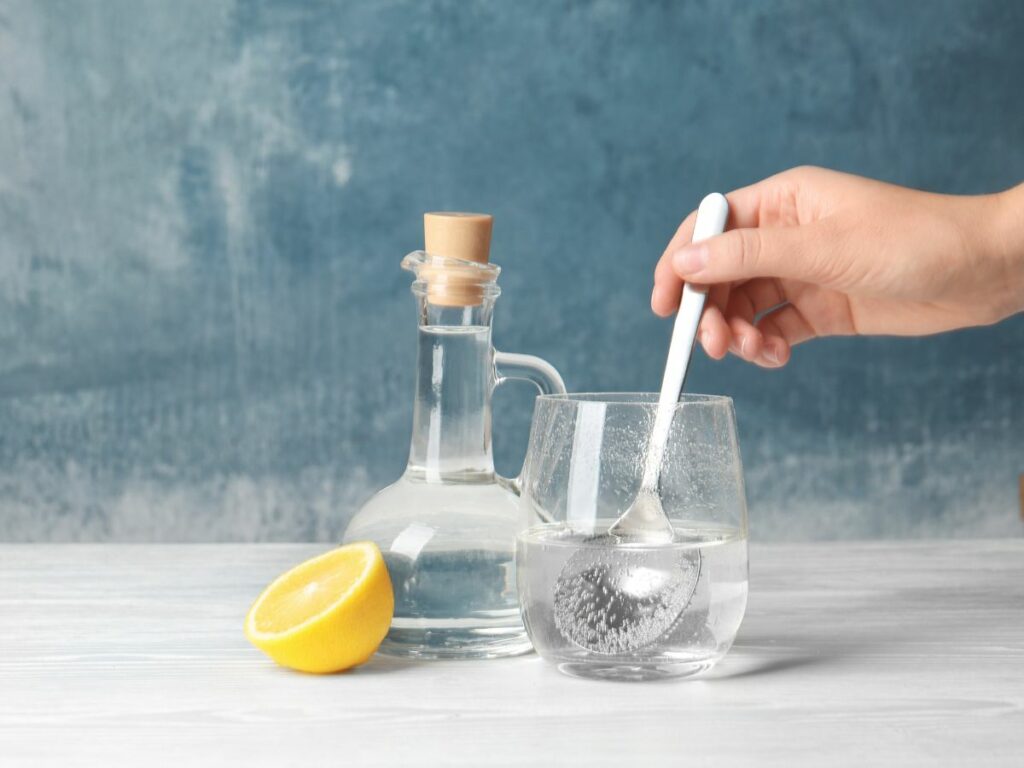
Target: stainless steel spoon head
<point>619,595</point>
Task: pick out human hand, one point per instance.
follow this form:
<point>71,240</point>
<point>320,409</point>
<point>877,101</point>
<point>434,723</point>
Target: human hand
<point>812,252</point>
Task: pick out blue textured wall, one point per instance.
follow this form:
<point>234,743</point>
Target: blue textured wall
<point>204,330</point>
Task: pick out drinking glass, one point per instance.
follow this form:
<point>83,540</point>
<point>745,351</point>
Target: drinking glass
<point>583,469</point>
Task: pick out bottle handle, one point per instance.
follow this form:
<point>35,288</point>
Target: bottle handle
<point>510,365</point>
<point>541,373</point>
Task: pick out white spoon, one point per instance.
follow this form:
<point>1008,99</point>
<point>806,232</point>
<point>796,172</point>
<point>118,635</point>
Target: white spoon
<point>623,603</point>
<point>645,520</point>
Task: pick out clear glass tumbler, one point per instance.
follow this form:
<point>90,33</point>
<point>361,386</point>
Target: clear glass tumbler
<point>583,469</point>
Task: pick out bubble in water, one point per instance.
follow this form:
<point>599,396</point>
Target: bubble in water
<point>622,600</point>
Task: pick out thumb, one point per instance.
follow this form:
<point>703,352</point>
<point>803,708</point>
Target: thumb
<point>742,254</point>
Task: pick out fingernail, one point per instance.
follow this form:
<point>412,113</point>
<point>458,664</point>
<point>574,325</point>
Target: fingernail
<point>691,259</point>
<point>704,338</point>
<point>743,346</point>
<point>773,351</point>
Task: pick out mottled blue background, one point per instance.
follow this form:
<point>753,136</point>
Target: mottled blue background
<point>204,330</point>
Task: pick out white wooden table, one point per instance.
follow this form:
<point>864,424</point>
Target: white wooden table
<point>851,654</point>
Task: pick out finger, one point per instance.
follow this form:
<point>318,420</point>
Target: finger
<point>719,336</point>
<point>755,297</point>
<point>745,205</point>
<point>746,302</point>
<point>745,210</point>
<point>770,202</point>
<point>714,333</point>
<point>667,285</point>
<point>718,296</point>
<point>787,323</point>
<point>783,329</point>
<point>744,254</point>
<point>747,340</point>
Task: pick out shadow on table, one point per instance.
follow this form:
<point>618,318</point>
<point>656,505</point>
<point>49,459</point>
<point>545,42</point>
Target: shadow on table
<point>749,668</point>
<point>749,658</point>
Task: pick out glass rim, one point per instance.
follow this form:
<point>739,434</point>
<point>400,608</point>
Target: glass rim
<point>635,399</point>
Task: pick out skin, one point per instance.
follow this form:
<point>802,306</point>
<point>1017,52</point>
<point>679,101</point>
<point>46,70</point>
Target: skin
<point>812,252</point>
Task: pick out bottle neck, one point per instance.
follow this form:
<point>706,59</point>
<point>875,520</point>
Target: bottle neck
<point>451,433</point>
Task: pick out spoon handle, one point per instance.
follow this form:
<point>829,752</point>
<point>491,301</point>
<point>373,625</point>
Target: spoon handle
<point>711,216</point>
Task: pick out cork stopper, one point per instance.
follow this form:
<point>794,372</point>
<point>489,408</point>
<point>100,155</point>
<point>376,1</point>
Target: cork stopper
<point>465,236</point>
<point>461,236</point>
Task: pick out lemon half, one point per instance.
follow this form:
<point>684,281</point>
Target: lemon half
<point>327,614</point>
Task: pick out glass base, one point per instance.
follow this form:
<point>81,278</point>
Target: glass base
<point>455,642</point>
<point>635,671</point>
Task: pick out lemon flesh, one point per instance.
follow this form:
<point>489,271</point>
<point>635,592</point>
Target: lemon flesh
<point>327,614</point>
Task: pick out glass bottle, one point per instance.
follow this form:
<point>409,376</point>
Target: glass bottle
<point>447,526</point>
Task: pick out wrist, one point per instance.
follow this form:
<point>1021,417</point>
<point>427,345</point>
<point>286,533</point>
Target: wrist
<point>1003,242</point>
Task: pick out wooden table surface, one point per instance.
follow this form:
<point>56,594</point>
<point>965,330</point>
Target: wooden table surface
<point>850,654</point>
